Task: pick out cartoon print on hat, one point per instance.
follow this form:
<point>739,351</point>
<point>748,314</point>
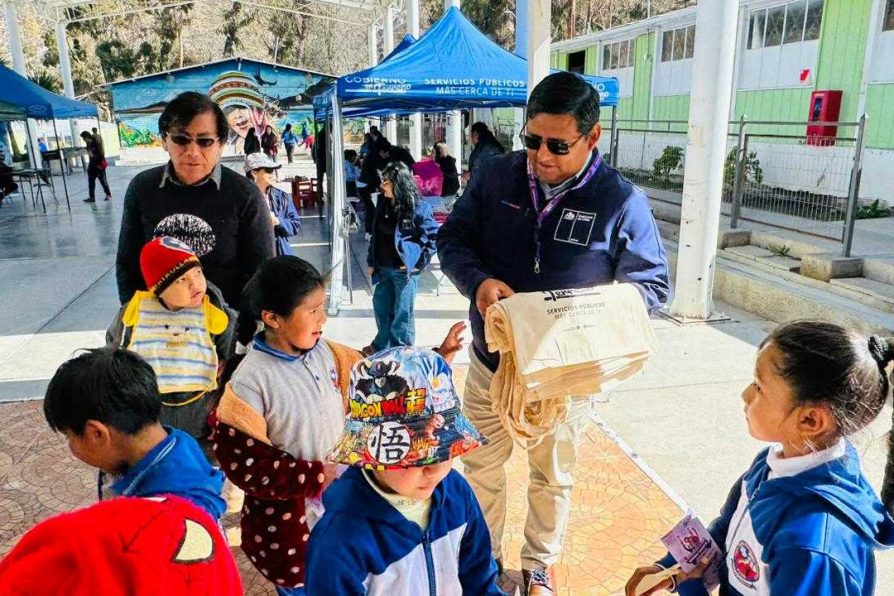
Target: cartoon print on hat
<point>404,411</point>
<point>192,230</point>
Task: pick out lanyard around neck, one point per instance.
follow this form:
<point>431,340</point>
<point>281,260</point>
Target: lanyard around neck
<point>542,214</point>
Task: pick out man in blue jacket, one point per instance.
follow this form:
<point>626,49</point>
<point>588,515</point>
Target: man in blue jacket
<point>553,216</point>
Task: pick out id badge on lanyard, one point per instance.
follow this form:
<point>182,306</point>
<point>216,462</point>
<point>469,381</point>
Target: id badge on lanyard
<point>553,203</point>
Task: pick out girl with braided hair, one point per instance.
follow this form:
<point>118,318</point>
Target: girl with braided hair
<point>803,519</point>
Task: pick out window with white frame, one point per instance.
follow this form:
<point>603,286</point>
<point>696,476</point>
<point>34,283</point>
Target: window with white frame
<point>882,66</point>
<point>619,54</point>
<point>673,73</point>
<point>678,44</point>
<point>782,45</point>
<point>618,58</point>
<point>792,22</point>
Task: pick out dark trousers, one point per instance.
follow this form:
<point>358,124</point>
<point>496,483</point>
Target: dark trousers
<point>95,173</point>
<point>369,210</point>
<point>289,150</point>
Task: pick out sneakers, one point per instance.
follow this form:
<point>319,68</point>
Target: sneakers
<point>90,200</point>
<point>108,197</point>
<point>538,582</point>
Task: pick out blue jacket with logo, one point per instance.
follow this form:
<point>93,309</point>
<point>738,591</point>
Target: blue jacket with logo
<point>280,203</point>
<point>363,545</point>
<point>815,532</point>
<point>414,238</point>
<point>600,233</point>
<point>176,466</point>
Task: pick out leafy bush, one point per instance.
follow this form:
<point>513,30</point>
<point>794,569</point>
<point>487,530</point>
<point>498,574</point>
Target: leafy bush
<point>753,171</point>
<point>873,211</point>
<point>671,159</point>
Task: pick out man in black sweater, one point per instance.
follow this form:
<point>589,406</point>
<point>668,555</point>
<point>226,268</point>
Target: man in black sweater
<point>220,214</point>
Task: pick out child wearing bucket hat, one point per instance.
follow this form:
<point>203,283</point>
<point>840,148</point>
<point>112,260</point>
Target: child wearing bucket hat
<point>183,328</point>
<point>401,517</point>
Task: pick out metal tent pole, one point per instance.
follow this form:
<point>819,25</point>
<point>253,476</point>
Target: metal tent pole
<point>61,164</point>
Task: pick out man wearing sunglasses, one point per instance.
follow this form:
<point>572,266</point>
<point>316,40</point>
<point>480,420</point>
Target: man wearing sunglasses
<point>551,216</point>
<point>218,212</point>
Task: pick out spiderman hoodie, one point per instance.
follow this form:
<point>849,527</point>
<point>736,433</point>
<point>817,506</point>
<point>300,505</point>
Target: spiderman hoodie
<point>800,526</point>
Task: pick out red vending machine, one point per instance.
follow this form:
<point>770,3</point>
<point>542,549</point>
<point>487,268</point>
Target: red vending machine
<point>824,107</point>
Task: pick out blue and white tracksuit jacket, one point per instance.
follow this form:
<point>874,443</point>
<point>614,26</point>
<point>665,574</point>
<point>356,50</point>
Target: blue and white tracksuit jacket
<point>363,545</point>
<point>807,532</point>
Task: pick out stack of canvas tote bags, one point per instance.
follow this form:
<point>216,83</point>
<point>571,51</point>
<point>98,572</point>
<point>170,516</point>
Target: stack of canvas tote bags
<point>560,344</point>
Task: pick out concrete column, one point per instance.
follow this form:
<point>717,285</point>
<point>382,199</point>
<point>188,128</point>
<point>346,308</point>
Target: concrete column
<point>373,59</point>
<point>709,104</point>
<point>65,68</point>
<point>373,45</point>
<point>415,119</point>
<point>64,60</point>
<point>454,117</point>
<point>521,50</point>
<point>539,39</point>
<point>391,127</point>
<point>18,64</point>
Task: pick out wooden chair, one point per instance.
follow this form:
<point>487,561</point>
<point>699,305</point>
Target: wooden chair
<point>304,192</point>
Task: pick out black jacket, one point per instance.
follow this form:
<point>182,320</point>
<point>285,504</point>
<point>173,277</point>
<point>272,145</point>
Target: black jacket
<point>252,144</point>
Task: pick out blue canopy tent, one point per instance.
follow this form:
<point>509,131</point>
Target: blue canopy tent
<point>21,99</point>
<point>453,66</point>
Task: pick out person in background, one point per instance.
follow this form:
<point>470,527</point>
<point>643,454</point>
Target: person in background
<point>252,143</point>
<point>367,145</point>
<point>319,148</point>
<point>368,182</point>
<point>96,168</point>
<point>270,142</point>
<point>289,140</point>
<point>352,172</point>
<point>305,135</point>
<point>7,184</point>
<point>42,145</point>
<point>402,244</point>
<point>220,214</point>
<point>447,163</point>
<point>98,138</point>
<point>389,153</point>
<point>486,146</point>
<point>283,215</point>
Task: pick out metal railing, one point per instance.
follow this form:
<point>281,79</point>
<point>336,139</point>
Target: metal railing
<point>772,174</point>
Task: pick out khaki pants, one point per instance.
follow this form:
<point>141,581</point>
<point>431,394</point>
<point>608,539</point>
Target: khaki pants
<point>551,464</point>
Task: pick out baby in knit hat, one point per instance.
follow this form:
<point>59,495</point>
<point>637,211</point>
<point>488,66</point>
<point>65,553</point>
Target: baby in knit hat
<point>183,328</point>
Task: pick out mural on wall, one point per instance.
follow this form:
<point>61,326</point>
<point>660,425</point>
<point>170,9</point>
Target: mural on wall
<point>252,95</point>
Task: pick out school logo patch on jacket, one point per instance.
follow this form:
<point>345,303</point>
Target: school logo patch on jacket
<point>746,565</point>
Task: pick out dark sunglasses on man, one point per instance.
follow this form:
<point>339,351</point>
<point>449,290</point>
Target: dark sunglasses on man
<point>184,140</point>
<point>554,146</point>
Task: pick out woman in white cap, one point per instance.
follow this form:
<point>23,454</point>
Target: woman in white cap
<point>286,221</point>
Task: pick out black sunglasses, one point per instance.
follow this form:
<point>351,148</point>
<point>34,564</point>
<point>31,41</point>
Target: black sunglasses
<point>268,170</point>
<point>533,142</point>
<point>183,140</point>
